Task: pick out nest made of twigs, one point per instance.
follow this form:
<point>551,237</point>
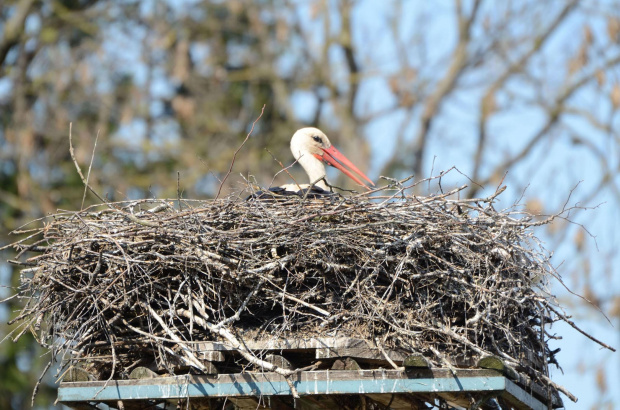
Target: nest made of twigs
<point>122,284</point>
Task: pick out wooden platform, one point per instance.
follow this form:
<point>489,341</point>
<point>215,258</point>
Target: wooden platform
<point>347,373</point>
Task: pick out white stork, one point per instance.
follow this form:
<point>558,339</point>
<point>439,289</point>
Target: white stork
<point>312,149</point>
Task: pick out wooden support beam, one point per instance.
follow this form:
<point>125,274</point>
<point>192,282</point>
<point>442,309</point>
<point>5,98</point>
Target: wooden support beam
<point>416,361</point>
<point>280,403</point>
<point>456,400</point>
<point>296,344</point>
<point>142,373</point>
<point>77,374</point>
<point>367,353</point>
<point>211,355</point>
<point>319,389</point>
<point>394,401</point>
<point>79,405</point>
<point>248,403</point>
<point>279,361</point>
<point>316,403</point>
<point>346,364</point>
<point>495,363</point>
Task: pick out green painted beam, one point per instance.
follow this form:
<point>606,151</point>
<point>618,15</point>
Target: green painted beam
<point>266,384</point>
<point>306,383</point>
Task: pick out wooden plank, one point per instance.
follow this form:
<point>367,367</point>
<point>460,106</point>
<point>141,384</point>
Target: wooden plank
<point>456,400</point>
<point>323,402</point>
<point>319,389</point>
<point>494,362</point>
<point>289,344</point>
<point>211,355</point>
<point>280,402</point>
<point>267,383</point>
<point>195,404</point>
<point>80,405</point>
<point>435,373</point>
<point>325,348</point>
<point>394,401</point>
<point>368,353</point>
<point>520,399</point>
<point>248,403</point>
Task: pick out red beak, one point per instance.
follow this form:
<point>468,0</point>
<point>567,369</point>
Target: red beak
<point>337,160</point>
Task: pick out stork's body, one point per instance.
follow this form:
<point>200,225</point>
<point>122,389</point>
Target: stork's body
<point>312,149</point>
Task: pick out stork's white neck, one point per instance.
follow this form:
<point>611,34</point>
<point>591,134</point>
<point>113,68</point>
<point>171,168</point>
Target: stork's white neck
<point>314,168</point>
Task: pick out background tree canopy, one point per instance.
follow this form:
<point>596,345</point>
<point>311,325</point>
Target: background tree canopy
<point>525,91</point>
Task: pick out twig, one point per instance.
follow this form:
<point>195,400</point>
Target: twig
<point>386,356</point>
<point>577,328</point>
<point>237,151</point>
<point>36,386</point>
<point>77,167</point>
<point>301,302</point>
<point>192,359</point>
<point>92,158</point>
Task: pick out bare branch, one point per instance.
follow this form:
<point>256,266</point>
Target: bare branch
<point>232,163</point>
<point>517,66</point>
<point>14,27</point>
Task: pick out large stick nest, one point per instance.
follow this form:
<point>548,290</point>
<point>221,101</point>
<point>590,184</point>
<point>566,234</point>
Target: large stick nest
<point>120,285</point>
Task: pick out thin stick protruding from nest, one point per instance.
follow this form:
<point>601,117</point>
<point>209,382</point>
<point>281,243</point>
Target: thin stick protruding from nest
<point>232,163</point>
<point>77,166</point>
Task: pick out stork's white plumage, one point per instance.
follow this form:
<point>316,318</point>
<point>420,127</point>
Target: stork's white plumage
<point>312,149</point>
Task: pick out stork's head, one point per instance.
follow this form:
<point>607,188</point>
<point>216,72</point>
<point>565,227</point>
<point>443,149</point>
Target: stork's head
<point>311,148</point>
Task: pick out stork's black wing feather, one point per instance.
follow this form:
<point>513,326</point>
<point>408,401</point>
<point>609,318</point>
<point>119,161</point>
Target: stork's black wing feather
<point>280,193</point>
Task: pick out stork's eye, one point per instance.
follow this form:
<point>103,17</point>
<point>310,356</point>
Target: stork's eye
<point>317,139</point>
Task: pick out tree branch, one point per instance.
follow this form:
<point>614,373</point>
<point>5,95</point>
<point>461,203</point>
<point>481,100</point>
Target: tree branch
<point>554,114</point>
<point>14,28</point>
<point>519,65</point>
